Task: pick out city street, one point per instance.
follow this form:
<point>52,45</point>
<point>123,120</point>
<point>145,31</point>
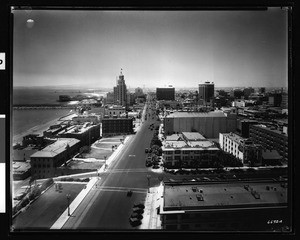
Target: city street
<point>107,206</point>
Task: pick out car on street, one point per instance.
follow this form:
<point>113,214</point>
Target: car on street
<point>136,215</point>
<point>138,210</point>
<point>129,193</point>
<point>146,150</point>
<point>148,163</point>
<point>139,205</point>
<point>135,221</point>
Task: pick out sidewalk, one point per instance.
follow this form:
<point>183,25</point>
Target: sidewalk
<point>64,217</point>
<point>151,219</point>
<point>75,203</point>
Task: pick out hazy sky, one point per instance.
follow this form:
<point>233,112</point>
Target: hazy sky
<point>154,48</point>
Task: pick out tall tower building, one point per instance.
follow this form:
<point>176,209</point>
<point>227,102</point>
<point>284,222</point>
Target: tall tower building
<point>206,91</point>
<point>120,91</point>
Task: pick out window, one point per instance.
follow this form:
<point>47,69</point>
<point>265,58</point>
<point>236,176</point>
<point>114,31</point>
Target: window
<point>184,226</point>
<point>171,217</point>
<point>171,227</point>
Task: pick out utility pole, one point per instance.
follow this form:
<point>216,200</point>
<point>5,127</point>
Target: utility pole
<point>148,178</point>
<point>68,199</point>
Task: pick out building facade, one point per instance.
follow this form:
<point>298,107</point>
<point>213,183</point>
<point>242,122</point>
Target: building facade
<point>208,124</point>
<point>206,91</point>
<point>44,162</point>
<point>270,139</point>
<point>186,149</point>
<point>242,148</point>
<point>120,91</point>
<point>275,99</point>
<point>117,126</point>
<point>87,133</point>
<point>244,126</point>
<point>230,206</point>
<point>284,101</point>
<point>165,93</point>
<point>116,110</point>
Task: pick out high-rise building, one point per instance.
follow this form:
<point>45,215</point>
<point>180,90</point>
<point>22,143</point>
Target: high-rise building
<point>167,93</point>
<point>284,100</point>
<point>247,92</point>
<point>206,91</point>
<point>120,91</point>
<point>275,99</point>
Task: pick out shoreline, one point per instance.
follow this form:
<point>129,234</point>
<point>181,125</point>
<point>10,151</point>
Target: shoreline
<point>38,129</point>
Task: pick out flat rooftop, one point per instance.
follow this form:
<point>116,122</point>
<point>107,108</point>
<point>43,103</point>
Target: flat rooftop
<point>20,167</point>
<point>269,129</point>
<point>204,196</point>
<point>77,129</point>
<point>233,136</point>
<point>202,144</point>
<point>193,136</point>
<point>56,148</point>
<point>196,114</point>
<point>175,144</point>
<point>174,137</point>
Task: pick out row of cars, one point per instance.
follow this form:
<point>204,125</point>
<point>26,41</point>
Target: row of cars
<point>137,214</point>
<point>153,161</point>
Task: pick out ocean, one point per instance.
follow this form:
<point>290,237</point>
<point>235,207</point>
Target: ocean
<point>24,120</point>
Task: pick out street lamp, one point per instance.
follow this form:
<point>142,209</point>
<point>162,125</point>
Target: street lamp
<point>68,199</point>
<point>148,178</point>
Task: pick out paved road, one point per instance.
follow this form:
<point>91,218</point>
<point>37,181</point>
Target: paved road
<point>107,206</point>
<point>47,208</point>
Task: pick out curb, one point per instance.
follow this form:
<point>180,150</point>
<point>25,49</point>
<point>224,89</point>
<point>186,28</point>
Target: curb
<point>60,222</point>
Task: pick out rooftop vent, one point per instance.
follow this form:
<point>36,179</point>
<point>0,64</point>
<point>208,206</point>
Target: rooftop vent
<point>199,197</point>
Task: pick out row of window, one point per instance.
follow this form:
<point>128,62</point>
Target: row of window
<point>41,165</point>
<point>187,152</point>
<point>41,171</point>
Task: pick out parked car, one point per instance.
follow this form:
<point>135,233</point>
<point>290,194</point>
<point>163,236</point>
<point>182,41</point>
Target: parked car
<point>138,210</point>
<point>136,215</point>
<point>148,163</point>
<point>135,221</point>
<point>139,205</point>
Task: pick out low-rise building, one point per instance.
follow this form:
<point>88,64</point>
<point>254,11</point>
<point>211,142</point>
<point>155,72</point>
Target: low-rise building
<point>270,138</point>
<point>209,124</point>
<point>271,157</point>
<point>242,148</point>
<point>230,206</point>
<point>87,133</point>
<point>21,170</point>
<point>80,119</point>
<point>185,149</point>
<point>116,110</point>
<point>44,162</point>
<point>117,126</point>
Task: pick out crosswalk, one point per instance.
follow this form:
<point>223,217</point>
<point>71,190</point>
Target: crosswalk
<point>132,170</point>
<point>119,189</point>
